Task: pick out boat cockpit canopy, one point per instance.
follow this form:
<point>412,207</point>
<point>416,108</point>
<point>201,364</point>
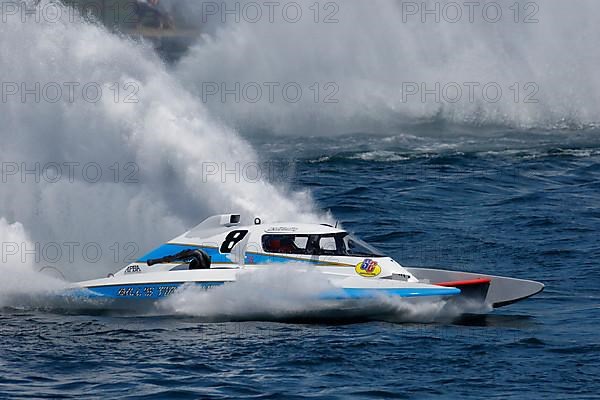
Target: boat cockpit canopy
<point>330,244</point>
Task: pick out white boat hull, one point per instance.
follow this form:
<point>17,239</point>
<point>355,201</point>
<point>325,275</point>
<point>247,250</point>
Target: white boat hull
<point>154,286</point>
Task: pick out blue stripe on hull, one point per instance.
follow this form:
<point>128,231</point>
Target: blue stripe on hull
<point>151,291</point>
<point>154,291</point>
<point>352,293</point>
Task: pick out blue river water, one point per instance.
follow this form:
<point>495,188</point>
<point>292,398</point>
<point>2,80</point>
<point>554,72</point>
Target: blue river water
<point>498,204</point>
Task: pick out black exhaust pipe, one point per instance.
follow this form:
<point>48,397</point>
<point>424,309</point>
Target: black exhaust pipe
<point>197,259</point>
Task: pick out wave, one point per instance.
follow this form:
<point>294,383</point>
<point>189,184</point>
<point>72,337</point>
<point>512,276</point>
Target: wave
<point>148,140</point>
<point>543,60</point>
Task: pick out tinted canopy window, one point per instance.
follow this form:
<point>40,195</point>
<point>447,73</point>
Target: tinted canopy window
<point>285,244</point>
<point>339,244</point>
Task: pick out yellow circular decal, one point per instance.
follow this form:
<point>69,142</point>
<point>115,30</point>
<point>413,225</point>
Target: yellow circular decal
<point>368,268</point>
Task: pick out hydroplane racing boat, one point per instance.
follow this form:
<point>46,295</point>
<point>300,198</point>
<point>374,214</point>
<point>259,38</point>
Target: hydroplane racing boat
<point>219,249</point>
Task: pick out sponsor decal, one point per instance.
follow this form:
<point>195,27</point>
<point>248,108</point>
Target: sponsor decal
<point>146,291</point>
<point>133,269</point>
<point>276,229</point>
<point>368,268</point>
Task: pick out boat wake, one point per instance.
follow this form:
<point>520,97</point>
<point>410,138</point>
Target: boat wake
<point>280,294</point>
<point>21,285</point>
<point>24,288</point>
<point>289,293</point>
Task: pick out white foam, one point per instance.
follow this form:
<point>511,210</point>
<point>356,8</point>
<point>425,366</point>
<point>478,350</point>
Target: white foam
<point>281,291</point>
<point>371,52</point>
<point>168,134</point>
<point>290,291</point>
<point>380,156</point>
<point>21,285</point>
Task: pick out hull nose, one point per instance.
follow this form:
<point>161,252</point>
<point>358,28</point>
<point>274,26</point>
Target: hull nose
<point>502,290</point>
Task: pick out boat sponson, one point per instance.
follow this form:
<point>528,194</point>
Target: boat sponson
<point>502,290</point>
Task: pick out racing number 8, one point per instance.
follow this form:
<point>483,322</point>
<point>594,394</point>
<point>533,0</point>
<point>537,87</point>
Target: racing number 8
<point>233,238</point>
